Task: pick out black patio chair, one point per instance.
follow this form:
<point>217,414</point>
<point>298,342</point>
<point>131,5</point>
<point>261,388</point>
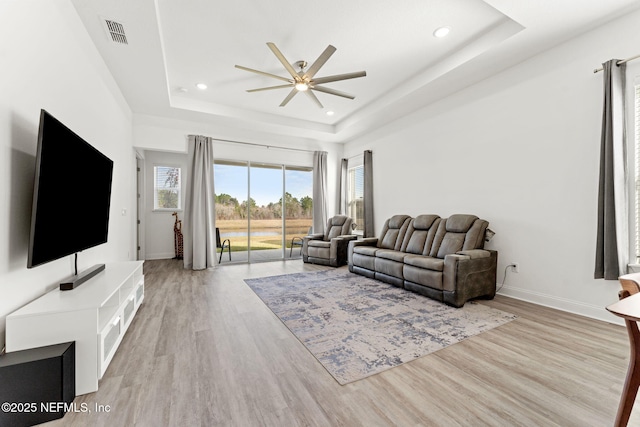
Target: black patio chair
<point>226,243</point>
<point>297,241</point>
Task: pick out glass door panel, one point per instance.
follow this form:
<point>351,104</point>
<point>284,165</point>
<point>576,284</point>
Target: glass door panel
<point>298,209</point>
<point>265,212</point>
<point>231,186</point>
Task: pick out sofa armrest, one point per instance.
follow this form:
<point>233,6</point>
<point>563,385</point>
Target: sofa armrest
<point>305,244</point>
<point>347,237</point>
<point>368,241</point>
<point>470,273</point>
<point>475,253</point>
<point>315,236</point>
<point>449,276</point>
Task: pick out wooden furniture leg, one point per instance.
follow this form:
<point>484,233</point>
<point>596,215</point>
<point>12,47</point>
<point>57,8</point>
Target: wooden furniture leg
<point>631,383</point>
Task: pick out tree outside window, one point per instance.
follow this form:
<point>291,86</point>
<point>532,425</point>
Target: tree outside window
<point>167,188</point>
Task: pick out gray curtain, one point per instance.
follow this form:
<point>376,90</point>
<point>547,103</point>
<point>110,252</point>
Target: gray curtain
<point>319,191</point>
<point>342,202</point>
<point>368,195</point>
<point>199,225</point>
<point>612,246</point>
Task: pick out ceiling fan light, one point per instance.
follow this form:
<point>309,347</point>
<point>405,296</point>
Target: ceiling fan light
<point>302,86</point>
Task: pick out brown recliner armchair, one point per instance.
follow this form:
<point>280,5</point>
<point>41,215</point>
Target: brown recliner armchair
<point>330,247</point>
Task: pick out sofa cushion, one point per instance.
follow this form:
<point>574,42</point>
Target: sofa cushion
<point>337,226</point>
<point>424,222</point>
<point>319,244</point>
<point>451,243</point>
<point>420,234</point>
<point>392,255</point>
<point>364,261</point>
<point>456,233</point>
<point>460,223</point>
<point>397,221</point>
<point>393,232</point>
<point>319,251</point>
<point>475,235</point>
<point>389,267</point>
<point>426,262</point>
<point>423,277</point>
<point>366,250</point>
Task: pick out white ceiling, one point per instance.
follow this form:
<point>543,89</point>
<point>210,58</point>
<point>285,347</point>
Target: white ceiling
<point>174,44</point>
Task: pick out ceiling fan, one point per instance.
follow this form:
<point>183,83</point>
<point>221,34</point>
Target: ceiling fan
<point>305,81</point>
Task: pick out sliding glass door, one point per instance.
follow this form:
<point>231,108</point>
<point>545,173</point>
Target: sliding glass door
<point>263,209</point>
<point>231,185</point>
<point>265,212</point>
<point>298,209</point>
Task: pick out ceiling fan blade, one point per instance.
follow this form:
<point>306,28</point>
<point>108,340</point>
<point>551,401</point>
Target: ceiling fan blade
<point>324,56</point>
<point>268,88</point>
<point>337,77</point>
<point>288,98</point>
<point>314,98</point>
<point>240,67</point>
<point>332,92</point>
<point>284,61</point>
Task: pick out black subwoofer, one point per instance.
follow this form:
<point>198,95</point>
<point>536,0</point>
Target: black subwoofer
<point>37,385</point>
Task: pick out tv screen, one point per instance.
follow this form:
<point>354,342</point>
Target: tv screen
<point>71,196</point>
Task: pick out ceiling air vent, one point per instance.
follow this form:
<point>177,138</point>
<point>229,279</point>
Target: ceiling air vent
<point>115,31</point>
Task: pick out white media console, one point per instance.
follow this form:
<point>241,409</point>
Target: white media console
<point>95,315</point>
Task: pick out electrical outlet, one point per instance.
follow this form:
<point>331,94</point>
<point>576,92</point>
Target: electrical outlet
<point>515,267</point>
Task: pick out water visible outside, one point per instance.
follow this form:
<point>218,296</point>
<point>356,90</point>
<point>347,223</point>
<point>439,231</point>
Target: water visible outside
<point>266,193</point>
<point>265,234</point>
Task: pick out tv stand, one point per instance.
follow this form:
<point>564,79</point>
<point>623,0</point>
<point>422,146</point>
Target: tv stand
<point>95,316</point>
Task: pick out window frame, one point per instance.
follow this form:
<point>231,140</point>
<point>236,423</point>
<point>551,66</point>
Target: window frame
<point>636,150</point>
<point>633,163</point>
<point>352,197</point>
<point>156,188</point>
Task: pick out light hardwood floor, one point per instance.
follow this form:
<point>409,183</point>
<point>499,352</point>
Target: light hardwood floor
<point>205,351</point>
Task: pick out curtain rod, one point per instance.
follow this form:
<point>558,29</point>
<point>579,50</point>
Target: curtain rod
<point>354,156</point>
<point>622,61</point>
<point>263,145</point>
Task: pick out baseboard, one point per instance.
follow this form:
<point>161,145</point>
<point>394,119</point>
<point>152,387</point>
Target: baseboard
<point>588,310</point>
<point>152,257</point>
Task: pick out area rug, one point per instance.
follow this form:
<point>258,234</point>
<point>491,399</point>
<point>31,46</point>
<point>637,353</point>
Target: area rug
<point>357,327</point>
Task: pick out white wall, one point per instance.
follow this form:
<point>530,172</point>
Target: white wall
<point>157,135</point>
<point>520,149</point>
<point>159,241</point>
<point>48,61</point>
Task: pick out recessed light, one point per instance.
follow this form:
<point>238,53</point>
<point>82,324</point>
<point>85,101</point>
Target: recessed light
<point>441,32</point>
<point>201,86</point>
<point>330,113</point>
<point>183,89</point>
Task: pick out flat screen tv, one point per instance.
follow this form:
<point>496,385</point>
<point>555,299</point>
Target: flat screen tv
<point>71,196</point>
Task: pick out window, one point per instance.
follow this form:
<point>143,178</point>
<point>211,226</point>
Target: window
<point>166,188</point>
<point>263,209</point>
<point>355,198</point>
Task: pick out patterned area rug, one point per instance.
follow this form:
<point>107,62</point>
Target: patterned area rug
<point>357,327</point>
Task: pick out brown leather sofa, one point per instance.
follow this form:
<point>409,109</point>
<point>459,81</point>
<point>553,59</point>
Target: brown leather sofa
<point>442,258</point>
<point>330,247</point>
